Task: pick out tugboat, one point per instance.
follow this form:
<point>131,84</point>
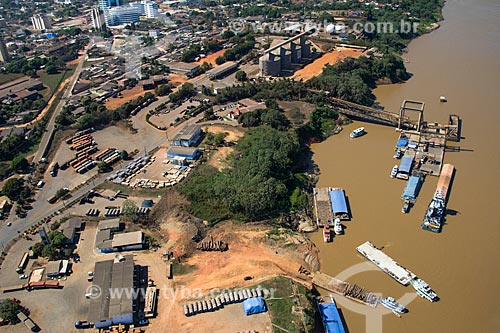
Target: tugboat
<point>357,132</point>
<point>434,214</point>
<point>424,290</point>
<point>398,154</point>
<point>327,236</point>
<point>394,171</point>
<point>406,207</point>
<point>391,304</point>
<point>337,227</point>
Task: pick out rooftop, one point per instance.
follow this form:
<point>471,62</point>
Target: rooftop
<point>222,68</point>
<point>182,65</point>
<point>127,238</point>
<point>178,150</point>
<point>187,132</point>
<point>109,224</point>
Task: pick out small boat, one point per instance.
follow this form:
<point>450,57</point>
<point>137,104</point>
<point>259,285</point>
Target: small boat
<point>394,171</point>
<point>398,154</point>
<point>327,236</point>
<point>406,207</point>
<point>337,227</point>
<point>443,99</point>
<point>391,304</point>
<point>357,132</point>
<point>424,290</point>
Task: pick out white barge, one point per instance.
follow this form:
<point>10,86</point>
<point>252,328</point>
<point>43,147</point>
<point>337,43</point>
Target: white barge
<point>386,263</point>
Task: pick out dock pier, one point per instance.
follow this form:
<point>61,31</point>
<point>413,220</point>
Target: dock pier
<point>324,213</point>
<point>346,289</point>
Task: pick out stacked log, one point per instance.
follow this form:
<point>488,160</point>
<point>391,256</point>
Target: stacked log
<point>212,245</point>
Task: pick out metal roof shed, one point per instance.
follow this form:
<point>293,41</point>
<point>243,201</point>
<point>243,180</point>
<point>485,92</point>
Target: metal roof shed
<point>412,188</point>
<point>405,165</point>
<point>337,199</point>
<point>402,143</point>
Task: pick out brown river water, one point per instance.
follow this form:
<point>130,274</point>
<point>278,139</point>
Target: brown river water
<point>460,60</point>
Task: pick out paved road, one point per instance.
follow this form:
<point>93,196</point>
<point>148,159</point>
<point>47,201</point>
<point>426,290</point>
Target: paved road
<point>44,143</point>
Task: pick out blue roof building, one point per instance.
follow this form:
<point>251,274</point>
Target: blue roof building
<point>338,203</point>
<point>254,305</point>
<point>331,318</point>
<point>412,188</point>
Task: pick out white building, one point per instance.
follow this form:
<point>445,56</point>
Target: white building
<point>97,18</point>
<point>40,22</point>
<point>150,9</point>
<point>105,4</point>
<point>123,14</point>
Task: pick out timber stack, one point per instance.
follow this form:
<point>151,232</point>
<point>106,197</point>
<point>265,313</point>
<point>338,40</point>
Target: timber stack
<point>212,245</point>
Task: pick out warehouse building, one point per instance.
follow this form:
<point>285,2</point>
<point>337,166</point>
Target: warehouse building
<point>189,136</point>
<point>185,68</point>
<point>222,70</point>
<point>106,242</point>
<point>190,153</point>
<point>111,275</point>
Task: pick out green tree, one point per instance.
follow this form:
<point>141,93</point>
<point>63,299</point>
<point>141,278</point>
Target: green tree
<point>241,76</point>
<point>129,208</point>
<point>20,164</point>
<point>86,121</point>
<point>51,69</point>
<point>37,249</point>
<point>57,239</point>
<point>103,167</point>
<point>8,310</point>
<point>124,155</point>
<point>49,252</point>
<point>13,188</point>
<point>220,60</point>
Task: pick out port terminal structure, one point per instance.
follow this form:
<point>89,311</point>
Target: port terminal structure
<point>386,263</point>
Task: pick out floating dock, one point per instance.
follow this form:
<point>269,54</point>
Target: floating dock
<point>330,203</point>
<point>386,263</point>
<point>346,289</point>
<point>323,209</point>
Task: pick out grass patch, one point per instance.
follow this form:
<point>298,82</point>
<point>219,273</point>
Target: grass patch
<point>4,78</point>
<point>282,302</point>
<point>182,269</point>
<point>52,81</point>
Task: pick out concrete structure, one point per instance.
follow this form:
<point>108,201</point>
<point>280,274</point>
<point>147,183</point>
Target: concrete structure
<point>222,70</point>
<point>40,22</point>
<point>189,136</point>
<point>105,310</point>
<point>190,153</point>
<point>127,241</point>
<point>98,22</point>
<point>4,54</point>
<point>282,55</point>
<point>71,227</point>
<point>188,69</point>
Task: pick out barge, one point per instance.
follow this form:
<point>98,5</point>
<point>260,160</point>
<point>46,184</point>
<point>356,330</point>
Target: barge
<point>433,218</point>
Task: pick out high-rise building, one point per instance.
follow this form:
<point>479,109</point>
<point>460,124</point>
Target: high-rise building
<point>40,22</point>
<point>105,4</point>
<point>4,54</point>
<point>97,18</point>
<point>123,14</point>
<point>150,9</point>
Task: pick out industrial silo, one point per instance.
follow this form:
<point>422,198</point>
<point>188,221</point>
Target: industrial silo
<point>286,57</point>
<point>296,52</point>
<point>270,65</point>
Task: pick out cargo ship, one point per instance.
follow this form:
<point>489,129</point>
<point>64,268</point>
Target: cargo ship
<point>433,219</point>
<point>330,315</point>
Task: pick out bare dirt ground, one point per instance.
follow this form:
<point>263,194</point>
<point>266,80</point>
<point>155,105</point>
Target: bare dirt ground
<point>178,79</point>
<point>211,58</point>
<point>316,67</point>
<point>219,157</point>
<point>233,134</point>
<point>128,95</point>
<point>252,252</point>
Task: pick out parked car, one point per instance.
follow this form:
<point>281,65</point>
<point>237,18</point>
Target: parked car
<point>24,276</point>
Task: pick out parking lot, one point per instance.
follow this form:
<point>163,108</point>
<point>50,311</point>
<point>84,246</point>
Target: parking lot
<point>56,310</point>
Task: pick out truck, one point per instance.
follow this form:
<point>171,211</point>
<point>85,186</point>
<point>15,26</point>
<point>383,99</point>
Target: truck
<point>22,263</point>
<point>54,167</point>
